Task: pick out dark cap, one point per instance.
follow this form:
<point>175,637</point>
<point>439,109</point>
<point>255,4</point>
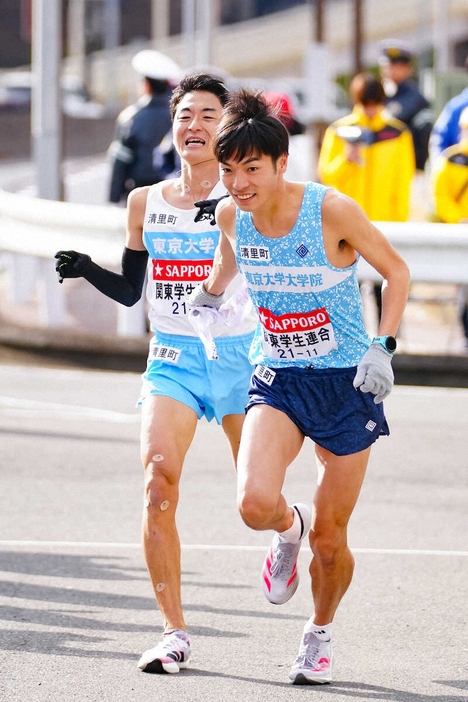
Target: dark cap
<point>395,52</point>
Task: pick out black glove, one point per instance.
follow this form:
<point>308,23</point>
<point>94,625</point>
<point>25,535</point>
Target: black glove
<point>71,264</point>
<point>207,209</point>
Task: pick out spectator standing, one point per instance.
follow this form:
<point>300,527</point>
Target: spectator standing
<point>450,189</point>
<point>450,179</point>
<point>404,99</point>
<point>368,155</point>
<point>446,131</point>
<point>137,151</point>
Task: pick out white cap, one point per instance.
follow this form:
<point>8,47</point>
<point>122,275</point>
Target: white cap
<point>153,64</point>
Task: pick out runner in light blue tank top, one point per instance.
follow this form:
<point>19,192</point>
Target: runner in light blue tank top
<point>310,312</point>
<point>317,372</point>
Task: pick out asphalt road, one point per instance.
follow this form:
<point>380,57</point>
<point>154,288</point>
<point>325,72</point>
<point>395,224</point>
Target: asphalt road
<point>76,605</point>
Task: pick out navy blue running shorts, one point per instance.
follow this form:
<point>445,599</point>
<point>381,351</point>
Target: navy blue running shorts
<point>323,403</point>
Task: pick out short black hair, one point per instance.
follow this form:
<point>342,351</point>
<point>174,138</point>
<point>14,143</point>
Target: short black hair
<point>250,126</point>
<point>157,86</point>
<point>194,82</point>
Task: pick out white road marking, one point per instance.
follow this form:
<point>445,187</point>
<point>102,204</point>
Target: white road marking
<point>232,547</point>
<point>11,406</point>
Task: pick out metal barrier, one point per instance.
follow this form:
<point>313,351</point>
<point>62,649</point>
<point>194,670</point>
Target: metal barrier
<point>32,230</point>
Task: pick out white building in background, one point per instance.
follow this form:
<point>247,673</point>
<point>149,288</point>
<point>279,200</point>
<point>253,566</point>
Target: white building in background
<point>275,45</point>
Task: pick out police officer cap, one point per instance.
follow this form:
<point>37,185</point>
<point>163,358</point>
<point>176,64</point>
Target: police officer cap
<point>395,51</point>
<point>152,64</point>
<point>463,120</point>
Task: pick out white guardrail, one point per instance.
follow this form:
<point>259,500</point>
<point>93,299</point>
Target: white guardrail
<point>32,230</point>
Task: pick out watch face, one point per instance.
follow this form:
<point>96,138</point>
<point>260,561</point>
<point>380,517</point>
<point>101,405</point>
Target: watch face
<point>390,343</point>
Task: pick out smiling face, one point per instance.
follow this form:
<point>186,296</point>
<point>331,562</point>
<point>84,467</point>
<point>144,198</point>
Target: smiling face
<point>253,181</point>
<point>195,121</point>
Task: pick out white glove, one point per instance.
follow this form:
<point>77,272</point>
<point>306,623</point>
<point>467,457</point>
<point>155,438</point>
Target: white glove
<point>375,373</point>
<point>200,298</point>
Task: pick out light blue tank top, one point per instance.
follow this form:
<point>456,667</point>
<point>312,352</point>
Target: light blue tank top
<point>310,312</point>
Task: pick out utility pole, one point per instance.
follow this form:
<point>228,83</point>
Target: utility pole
<point>111,24</point>
<point>317,81</point>
<point>111,45</point>
<point>440,35</point>
<point>357,36</point>
<point>316,66</point>
<point>189,32</point>
<point>319,11</point>
<point>208,19</point>
<point>46,129</point>
<point>46,118</point>
<point>76,37</point>
<point>160,21</point>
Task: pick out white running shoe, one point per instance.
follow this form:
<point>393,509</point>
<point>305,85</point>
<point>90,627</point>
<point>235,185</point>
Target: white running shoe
<point>313,665</point>
<point>279,574</point>
<point>169,656</point>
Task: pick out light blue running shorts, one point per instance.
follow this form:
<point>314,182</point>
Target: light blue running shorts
<point>179,368</point>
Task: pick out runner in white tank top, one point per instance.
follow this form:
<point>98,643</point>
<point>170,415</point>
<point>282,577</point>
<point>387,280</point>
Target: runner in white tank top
<point>181,384</point>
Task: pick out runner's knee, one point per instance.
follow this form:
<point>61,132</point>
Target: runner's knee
<point>328,546</point>
<point>161,488</point>
<point>256,511</point>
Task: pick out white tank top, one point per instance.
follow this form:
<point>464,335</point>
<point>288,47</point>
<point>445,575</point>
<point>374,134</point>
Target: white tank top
<point>181,256</point>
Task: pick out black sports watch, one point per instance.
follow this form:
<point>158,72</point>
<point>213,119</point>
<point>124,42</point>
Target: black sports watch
<point>387,342</point>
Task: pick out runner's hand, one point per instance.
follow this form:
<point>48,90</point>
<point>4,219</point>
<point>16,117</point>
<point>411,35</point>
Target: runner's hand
<point>207,209</point>
<point>374,373</point>
<point>200,298</point>
<point>71,264</point>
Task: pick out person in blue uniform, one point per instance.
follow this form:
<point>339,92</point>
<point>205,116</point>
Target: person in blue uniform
<point>446,131</point>
<point>137,152</point>
<point>450,192</point>
<point>404,99</point>
<point>317,373</point>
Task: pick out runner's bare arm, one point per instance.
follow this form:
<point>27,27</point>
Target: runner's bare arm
<point>224,263</point>
<point>347,229</point>
<point>124,287</point>
<point>136,205</point>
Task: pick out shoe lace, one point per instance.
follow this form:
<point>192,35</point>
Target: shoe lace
<point>171,642</point>
<point>282,556</point>
<point>309,651</point>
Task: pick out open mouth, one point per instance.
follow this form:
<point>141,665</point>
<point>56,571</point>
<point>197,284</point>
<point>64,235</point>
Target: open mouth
<point>194,141</point>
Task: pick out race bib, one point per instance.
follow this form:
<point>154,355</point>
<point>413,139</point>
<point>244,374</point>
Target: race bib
<point>165,353</point>
<point>296,336</point>
<point>264,373</point>
<point>173,282</point>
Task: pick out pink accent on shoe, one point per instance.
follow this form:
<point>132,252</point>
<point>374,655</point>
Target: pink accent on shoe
<point>293,576</point>
<point>266,581</point>
<point>323,664</point>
